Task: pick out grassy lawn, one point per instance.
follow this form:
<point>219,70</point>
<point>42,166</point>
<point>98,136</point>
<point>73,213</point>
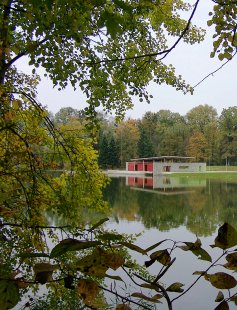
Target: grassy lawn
<point>222,168</point>
<point>215,173</point>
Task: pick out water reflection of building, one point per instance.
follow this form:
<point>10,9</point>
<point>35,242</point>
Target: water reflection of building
<point>164,184</point>
<point>162,164</point>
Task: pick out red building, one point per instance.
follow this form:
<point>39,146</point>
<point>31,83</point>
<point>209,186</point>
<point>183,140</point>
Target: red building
<point>161,164</point>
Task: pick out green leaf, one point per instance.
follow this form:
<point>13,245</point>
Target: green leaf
<point>151,299</point>
<point>72,245</point>
<point>133,247</point>
<point>152,247</point>
<point>226,238</point>
<point>28,255</point>
<point>221,280</point>
<point>175,287</point>
<point>102,221</point>
<point>110,237</point>
<point>162,256</point>
<point>116,278</point>
<point>9,294</point>
<point>202,254</point>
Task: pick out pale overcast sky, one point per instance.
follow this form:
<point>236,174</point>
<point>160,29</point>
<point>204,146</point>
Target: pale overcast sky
<point>192,62</point>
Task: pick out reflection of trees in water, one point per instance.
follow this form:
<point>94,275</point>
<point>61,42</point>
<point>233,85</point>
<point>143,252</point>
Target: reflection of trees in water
<point>229,200</point>
<point>201,210</point>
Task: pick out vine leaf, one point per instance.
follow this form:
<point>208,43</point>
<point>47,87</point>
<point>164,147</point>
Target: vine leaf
<point>221,280</point>
<point>175,287</point>
<point>226,238</point>
<point>71,244</point>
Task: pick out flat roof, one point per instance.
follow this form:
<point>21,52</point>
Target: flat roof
<point>162,157</point>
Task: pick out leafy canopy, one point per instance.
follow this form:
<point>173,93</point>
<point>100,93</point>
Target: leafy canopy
<point>110,49</point>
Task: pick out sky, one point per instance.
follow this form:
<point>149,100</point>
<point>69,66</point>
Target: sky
<point>192,62</point>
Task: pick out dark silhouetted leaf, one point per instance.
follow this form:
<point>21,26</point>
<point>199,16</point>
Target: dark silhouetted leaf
<point>72,245</point>
<point>226,238</point>
<point>222,306</point>
<point>148,263</point>
<point>68,282</point>
<point>175,287</point>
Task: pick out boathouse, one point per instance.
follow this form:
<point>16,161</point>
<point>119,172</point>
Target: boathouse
<point>164,164</point>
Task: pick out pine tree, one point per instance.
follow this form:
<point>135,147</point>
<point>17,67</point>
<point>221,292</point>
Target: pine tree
<point>145,147</point>
<point>103,152</point>
<point>113,152</point>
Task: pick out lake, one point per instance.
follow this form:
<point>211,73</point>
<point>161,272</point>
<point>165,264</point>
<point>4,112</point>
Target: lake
<point>178,208</point>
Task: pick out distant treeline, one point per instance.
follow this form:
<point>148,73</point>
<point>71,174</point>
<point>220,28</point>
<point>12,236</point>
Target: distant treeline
<point>200,133</point>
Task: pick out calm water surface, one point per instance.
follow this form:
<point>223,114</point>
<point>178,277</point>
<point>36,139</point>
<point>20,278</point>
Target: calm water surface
<point>177,208</point>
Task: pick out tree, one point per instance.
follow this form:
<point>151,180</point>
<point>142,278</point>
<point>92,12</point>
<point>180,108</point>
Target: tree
<point>204,119</point>
<point>127,134</point>
<point>197,147</point>
<point>144,145</point>
<point>113,151</point>
<point>64,115</point>
<point>228,128</point>
<point>200,117</point>
<point>104,152</point>
<point>96,45</point>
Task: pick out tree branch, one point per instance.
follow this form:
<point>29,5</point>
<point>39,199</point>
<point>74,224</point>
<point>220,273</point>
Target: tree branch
<point>164,52</point>
<point>211,74</point>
